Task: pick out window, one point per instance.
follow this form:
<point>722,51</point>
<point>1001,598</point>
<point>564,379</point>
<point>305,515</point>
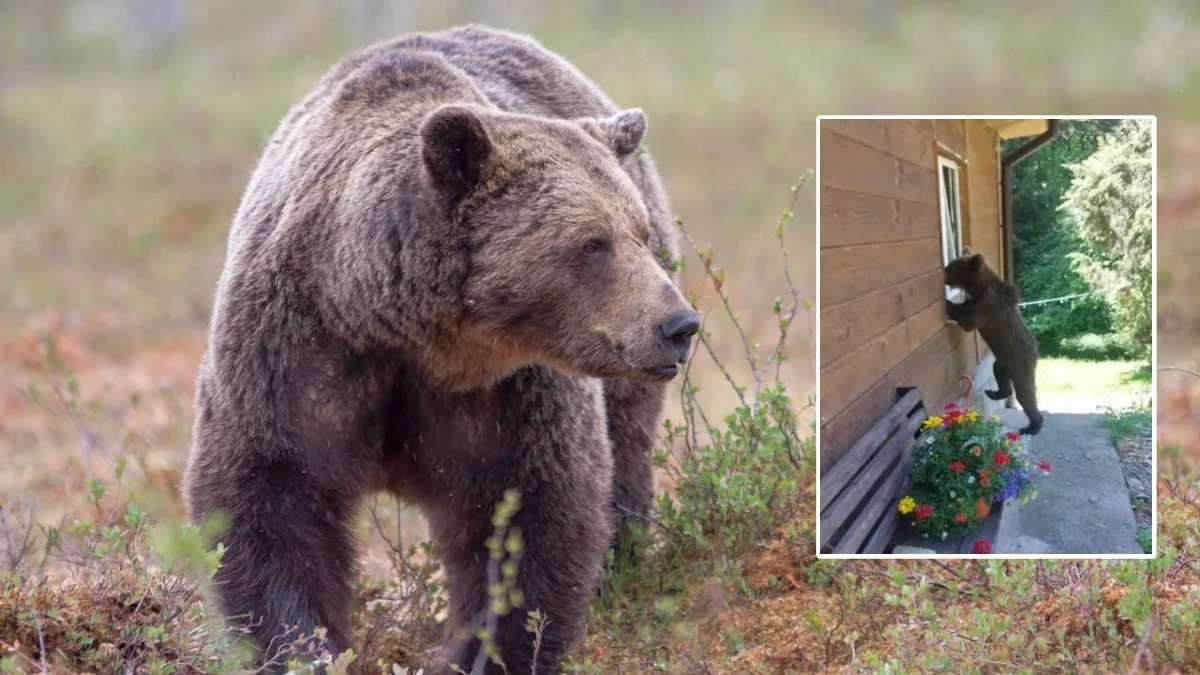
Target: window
<point>951,209</point>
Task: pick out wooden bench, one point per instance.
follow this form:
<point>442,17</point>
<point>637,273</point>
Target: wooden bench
<point>860,491</point>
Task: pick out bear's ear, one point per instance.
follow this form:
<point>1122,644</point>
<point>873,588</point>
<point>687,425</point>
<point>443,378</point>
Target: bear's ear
<point>966,250</point>
<point>976,262</point>
<point>622,132</point>
<point>455,146</point>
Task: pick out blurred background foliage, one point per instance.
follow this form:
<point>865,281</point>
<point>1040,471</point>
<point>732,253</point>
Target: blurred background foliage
<point>1051,210</point>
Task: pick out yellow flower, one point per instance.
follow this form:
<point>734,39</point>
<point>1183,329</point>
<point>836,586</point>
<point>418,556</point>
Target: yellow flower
<point>933,421</point>
<point>995,418</point>
<point>907,505</point>
<point>972,416</point>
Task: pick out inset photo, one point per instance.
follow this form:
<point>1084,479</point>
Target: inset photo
<point>986,336</point>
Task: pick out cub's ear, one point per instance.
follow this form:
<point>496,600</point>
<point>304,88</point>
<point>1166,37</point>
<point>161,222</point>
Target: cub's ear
<point>976,262</point>
<point>455,147</point>
<point>966,250</point>
<point>622,132</point>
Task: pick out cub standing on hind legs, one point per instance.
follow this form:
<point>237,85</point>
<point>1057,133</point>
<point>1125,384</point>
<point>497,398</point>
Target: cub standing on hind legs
<point>448,277</point>
<point>992,310</point>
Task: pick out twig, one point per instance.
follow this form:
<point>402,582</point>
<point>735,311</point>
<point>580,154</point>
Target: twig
<point>712,353</point>
<point>718,285</point>
<point>654,521</point>
<point>875,570</point>
<point>687,400</point>
<point>831,632</point>
<point>1179,369</point>
<point>777,352</point>
<point>537,643</point>
<point>492,621</point>
<point>37,623</point>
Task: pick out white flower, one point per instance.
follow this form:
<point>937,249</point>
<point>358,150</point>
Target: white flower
<point>952,495</point>
<point>970,479</point>
<point>943,536</point>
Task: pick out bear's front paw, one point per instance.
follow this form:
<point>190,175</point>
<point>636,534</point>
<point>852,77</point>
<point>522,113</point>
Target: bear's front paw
<point>996,395</point>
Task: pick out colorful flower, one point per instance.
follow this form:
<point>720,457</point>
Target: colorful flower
<point>907,505</point>
<point>972,416</point>
<point>977,450</point>
<point>985,479</point>
<point>1001,458</point>
<point>951,407</point>
<point>958,467</point>
<point>924,511</point>
<point>982,547</point>
<point>995,418</point>
<point>1012,485</point>
<point>1044,466</point>
<point>1013,436</point>
<point>961,518</point>
<point>932,422</point>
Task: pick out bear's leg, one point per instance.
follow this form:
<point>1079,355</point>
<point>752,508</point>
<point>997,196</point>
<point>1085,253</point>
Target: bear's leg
<point>563,549</point>
<point>289,557</point>
<point>1003,382</point>
<point>1027,396</point>
<point>633,411</point>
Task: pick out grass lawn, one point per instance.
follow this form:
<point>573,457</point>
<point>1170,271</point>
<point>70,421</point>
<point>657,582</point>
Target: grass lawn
<point>1063,378</point>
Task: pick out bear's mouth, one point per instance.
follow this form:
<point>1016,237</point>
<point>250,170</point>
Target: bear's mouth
<point>667,372</point>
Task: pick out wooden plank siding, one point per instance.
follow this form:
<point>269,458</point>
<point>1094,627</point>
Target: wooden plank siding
<point>983,235</point>
<point>882,315</point>
<point>952,135</point>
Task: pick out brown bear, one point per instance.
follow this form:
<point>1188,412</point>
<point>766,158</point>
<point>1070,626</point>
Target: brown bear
<point>991,309</point>
<point>449,276</point>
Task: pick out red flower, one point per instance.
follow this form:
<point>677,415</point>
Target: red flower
<point>951,407</point>
<point>957,467</point>
<point>924,511</point>
<point>961,518</point>
<point>1001,458</point>
<point>1044,466</point>
<point>1013,436</point>
<point>982,547</point>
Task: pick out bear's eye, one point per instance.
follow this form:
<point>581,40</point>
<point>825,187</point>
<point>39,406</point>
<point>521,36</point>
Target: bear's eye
<point>594,247</point>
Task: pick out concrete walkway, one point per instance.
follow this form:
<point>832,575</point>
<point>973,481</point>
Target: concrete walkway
<point>1083,506</point>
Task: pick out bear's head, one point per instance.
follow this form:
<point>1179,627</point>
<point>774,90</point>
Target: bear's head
<point>561,270</point>
<point>968,272</point>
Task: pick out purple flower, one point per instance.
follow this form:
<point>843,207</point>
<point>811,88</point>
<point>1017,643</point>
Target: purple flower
<point>1012,485</point>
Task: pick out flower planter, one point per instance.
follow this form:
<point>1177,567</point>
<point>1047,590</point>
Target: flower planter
<point>982,508</point>
<point>963,466</point>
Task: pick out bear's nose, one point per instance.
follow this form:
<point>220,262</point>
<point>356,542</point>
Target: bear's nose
<point>677,332</point>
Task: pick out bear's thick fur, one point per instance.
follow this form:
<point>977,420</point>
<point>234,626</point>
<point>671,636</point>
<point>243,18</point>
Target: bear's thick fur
<point>449,276</point>
<point>992,310</point>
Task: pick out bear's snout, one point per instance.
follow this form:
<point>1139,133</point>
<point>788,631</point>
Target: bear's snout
<point>676,333</point>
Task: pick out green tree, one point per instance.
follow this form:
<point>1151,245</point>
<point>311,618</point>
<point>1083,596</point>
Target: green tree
<point>1043,240</point>
<point>1110,205</point>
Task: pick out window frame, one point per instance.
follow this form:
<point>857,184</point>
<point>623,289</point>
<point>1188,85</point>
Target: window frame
<point>952,246</point>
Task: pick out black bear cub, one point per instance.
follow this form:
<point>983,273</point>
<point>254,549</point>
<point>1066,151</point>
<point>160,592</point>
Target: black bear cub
<point>992,310</point>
